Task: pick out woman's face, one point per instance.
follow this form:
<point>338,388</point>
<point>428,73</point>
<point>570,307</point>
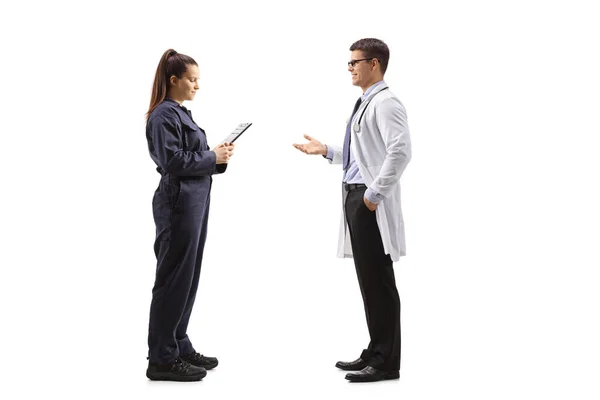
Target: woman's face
<point>186,87</point>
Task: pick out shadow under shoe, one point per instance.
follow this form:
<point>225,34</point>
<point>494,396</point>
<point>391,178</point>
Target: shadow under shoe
<point>179,370</point>
<point>200,360</point>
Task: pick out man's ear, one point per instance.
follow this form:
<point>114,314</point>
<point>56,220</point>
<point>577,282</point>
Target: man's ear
<point>376,61</point>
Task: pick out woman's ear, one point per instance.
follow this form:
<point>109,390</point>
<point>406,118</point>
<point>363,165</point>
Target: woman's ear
<point>173,80</point>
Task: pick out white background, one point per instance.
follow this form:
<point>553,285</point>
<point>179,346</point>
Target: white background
<point>499,288</point>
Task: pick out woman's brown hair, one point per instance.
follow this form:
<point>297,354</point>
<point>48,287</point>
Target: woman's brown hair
<point>171,63</point>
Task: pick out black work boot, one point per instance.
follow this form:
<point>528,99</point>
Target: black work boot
<point>200,360</point>
<point>179,370</point>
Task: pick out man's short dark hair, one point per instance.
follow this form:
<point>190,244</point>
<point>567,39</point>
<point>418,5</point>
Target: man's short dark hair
<point>373,48</point>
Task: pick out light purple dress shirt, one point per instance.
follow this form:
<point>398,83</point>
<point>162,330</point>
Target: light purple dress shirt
<point>352,175</point>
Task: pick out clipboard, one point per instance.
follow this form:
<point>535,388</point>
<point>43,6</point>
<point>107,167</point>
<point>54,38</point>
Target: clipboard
<point>237,132</point>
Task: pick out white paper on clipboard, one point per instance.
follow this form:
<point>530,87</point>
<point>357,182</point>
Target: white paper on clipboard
<point>237,132</point>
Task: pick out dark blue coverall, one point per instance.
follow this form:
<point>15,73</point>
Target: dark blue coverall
<point>180,206</point>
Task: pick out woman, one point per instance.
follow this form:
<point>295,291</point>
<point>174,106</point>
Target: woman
<point>180,206</point>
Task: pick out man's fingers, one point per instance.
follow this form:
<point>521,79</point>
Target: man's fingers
<point>370,206</point>
<point>302,147</point>
<point>308,137</point>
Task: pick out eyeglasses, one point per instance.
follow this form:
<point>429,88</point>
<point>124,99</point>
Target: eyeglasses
<point>352,63</point>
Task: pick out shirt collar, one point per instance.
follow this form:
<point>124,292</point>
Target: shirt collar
<point>170,100</point>
<point>372,88</point>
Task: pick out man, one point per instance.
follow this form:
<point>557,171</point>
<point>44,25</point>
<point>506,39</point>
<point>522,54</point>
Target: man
<point>375,153</point>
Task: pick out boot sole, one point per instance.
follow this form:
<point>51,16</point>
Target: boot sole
<point>166,376</point>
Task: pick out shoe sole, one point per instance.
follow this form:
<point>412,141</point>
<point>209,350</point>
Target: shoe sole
<point>369,379</point>
<point>165,376</point>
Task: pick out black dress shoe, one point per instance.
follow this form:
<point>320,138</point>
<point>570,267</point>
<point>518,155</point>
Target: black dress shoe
<point>179,370</point>
<point>200,360</point>
<point>355,365</point>
<point>370,374</point>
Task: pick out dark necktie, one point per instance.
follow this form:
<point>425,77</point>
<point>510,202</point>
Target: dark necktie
<point>347,137</point>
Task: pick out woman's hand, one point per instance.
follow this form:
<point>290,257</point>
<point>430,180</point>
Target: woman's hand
<point>224,152</point>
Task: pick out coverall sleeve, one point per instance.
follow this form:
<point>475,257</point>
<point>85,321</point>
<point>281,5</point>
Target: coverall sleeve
<point>166,135</point>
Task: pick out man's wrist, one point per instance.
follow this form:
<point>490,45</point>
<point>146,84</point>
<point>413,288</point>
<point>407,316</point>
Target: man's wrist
<point>372,196</point>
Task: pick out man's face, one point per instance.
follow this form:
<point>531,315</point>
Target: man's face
<point>362,71</point>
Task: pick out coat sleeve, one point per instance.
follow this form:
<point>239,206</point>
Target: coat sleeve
<point>391,121</point>
<point>335,152</point>
<point>166,135</point>
<point>220,168</point>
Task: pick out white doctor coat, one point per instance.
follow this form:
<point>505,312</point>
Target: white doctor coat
<point>381,149</point>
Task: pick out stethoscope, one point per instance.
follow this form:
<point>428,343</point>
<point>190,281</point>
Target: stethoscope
<point>356,126</point>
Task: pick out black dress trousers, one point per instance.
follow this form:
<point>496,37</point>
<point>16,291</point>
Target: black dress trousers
<point>377,283</point>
